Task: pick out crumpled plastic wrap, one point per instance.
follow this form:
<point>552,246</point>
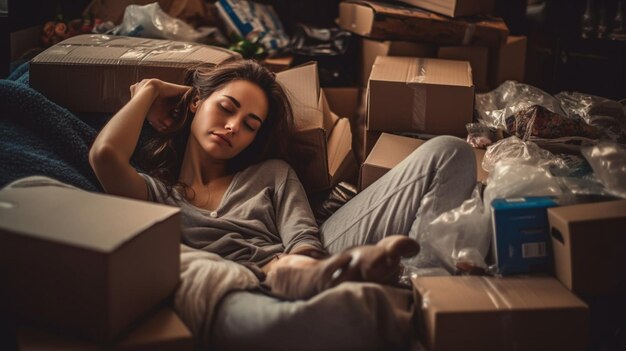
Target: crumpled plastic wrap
<point>479,135</point>
<point>459,239</point>
<point>537,121</point>
<point>608,161</point>
<point>605,114</point>
<point>515,148</point>
<point>150,21</point>
<point>509,98</point>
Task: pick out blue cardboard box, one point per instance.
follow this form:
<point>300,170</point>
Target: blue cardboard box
<point>521,235</point>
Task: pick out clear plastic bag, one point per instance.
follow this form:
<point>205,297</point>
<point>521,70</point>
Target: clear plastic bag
<point>459,239</point>
<point>525,151</point>
<point>479,135</point>
<point>605,114</point>
<point>150,21</point>
<point>608,161</point>
<point>509,98</point>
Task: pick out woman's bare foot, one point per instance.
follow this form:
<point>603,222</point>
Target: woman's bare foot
<point>299,277</point>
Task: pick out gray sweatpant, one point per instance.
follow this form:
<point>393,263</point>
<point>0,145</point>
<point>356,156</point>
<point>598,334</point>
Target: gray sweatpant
<point>435,178</point>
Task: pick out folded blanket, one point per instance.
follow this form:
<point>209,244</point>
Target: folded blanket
<point>39,137</point>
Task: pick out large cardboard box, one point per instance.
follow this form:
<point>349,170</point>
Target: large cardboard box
<point>320,147</point>
<point>485,313</point>
<point>83,263</point>
<point>521,238</point>
<point>589,242</point>
<point>455,8</point>
<point>391,149</point>
<point>161,331</point>
<point>508,62</point>
<point>373,48</point>
<point>408,94</point>
<point>477,56</point>
<point>377,20</point>
<point>93,72</point>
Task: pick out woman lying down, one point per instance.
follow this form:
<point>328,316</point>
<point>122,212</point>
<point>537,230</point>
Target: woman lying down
<point>220,155</point>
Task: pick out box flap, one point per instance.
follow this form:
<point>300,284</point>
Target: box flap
<point>422,71</point>
<point>77,218</point>
<point>339,145</point>
<point>391,149</point>
<point>302,87</point>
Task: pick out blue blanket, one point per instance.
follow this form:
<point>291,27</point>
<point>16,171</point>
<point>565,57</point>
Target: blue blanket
<point>39,137</point>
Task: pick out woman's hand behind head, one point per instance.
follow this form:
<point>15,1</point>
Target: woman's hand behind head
<point>165,96</point>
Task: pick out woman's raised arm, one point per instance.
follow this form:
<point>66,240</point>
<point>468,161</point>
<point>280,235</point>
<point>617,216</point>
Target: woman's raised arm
<point>111,151</point>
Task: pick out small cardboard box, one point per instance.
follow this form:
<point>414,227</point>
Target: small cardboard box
<point>414,95</point>
<point>315,124</point>
<point>377,20</point>
<point>473,313</point>
<point>392,149</point>
<point>477,56</point>
<point>589,242</point>
<point>508,62</point>
<point>521,238</point>
<point>455,8</point>
<point>83,263</point>
<point>373,48</point>
<point>93,72</point>
<point>162,330</point>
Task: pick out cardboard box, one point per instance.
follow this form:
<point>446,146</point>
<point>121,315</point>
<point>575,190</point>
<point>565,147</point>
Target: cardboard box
<point>455,8</point>
<point>278,64</point>
<point>589,242</point>
<point>485,313</point>
<point>83,263</point>
<point>521,235</point>
<point>373,48</point>
<point>508,62</point>
<point>161,331</point>
<point>96,70</point>
<point>343,101</point>
<point>414,94</point>
<point>314,123</point>
<point>477,56</point>
<point>391,150</point>
<point>377,20</point>
<point>370,137</point>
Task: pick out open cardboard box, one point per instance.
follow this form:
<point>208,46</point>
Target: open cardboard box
<point>82,263</point>
<point>408,94</point>
<point>323,138</point>
<point>93,72</point>
<point>391,149</point>
<point>474,313</point>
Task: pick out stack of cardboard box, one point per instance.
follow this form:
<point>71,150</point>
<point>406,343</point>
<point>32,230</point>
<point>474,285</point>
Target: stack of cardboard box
<point>438,30</point>
<point>88,271</point>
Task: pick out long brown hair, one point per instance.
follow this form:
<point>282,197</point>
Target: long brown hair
<point>162,155</point>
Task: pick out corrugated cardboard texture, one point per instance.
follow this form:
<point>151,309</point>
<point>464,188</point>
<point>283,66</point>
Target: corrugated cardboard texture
<point>455,8</point>
<point>415,94</point>
<point>390,150</point>
<point>162,331</point>
<point>86,264</point>
<point>485,313</point>
<point>372,48</point>
<point>93,73</point>
<point>383,21</point>
<point>589,242</point>
<point>314,124</point>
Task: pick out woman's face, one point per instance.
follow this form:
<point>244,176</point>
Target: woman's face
<point>228,120</point>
